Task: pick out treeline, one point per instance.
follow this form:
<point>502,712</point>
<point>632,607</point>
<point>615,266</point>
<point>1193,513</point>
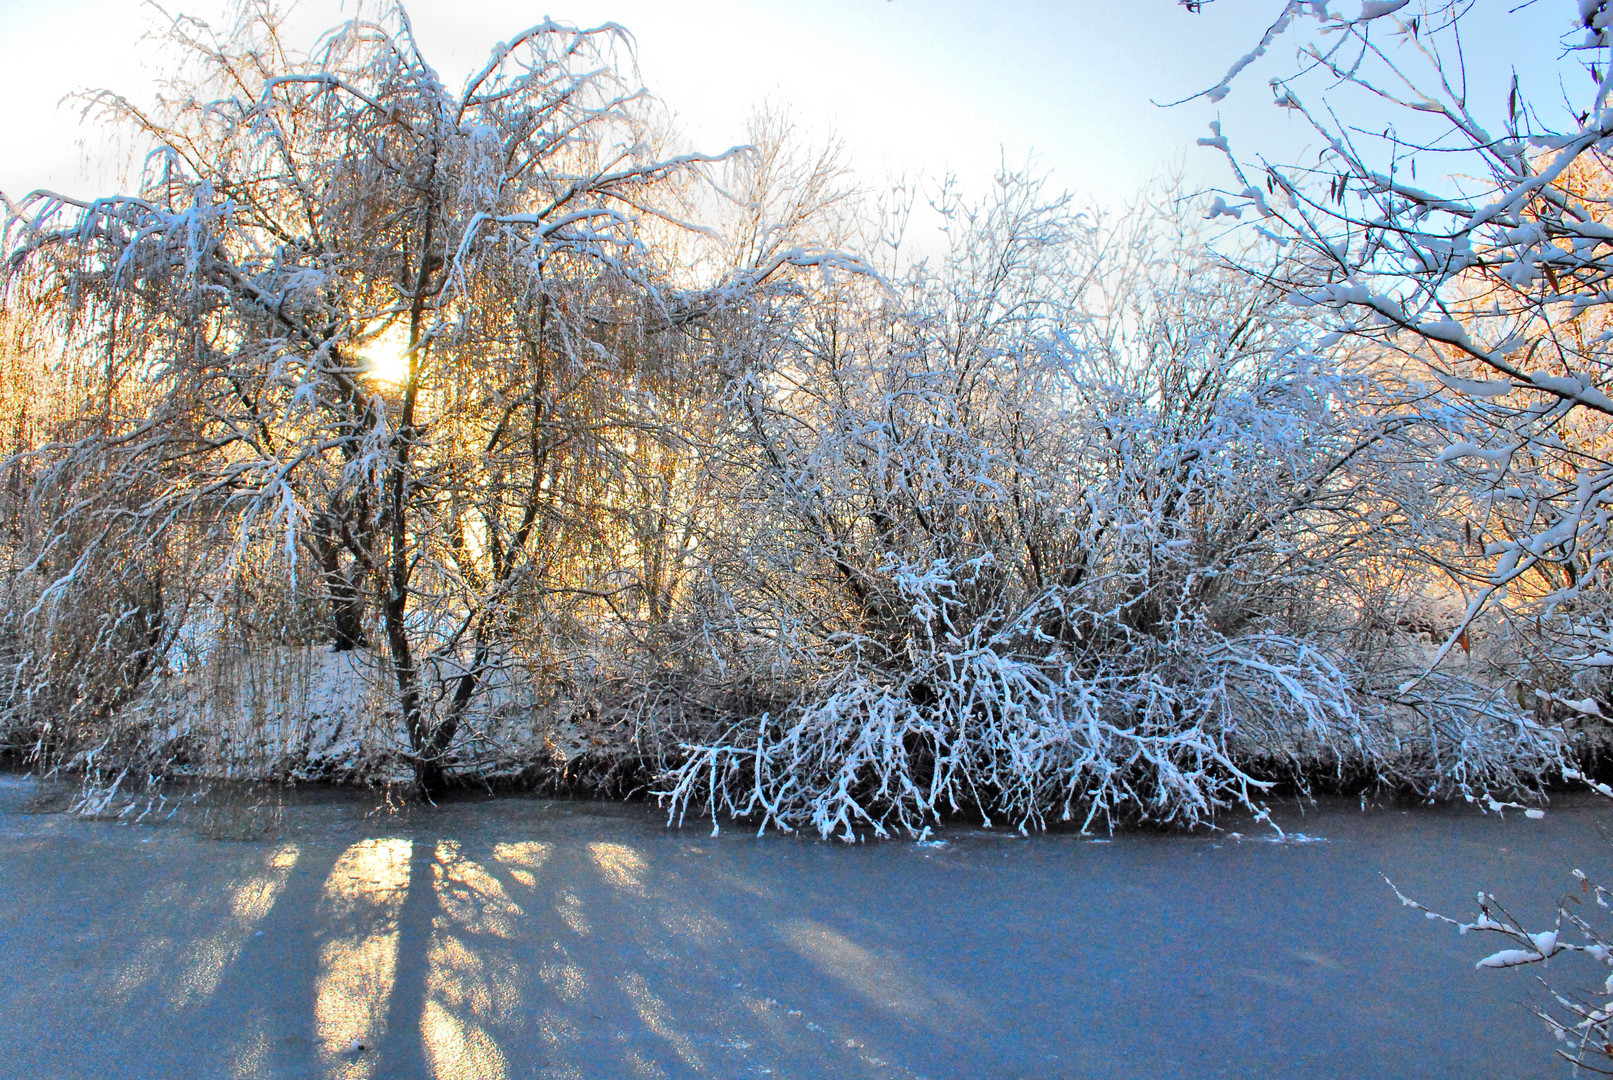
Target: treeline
<point>390,430</point>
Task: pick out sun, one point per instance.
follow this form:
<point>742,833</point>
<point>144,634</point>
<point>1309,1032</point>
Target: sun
<point>385,356</point>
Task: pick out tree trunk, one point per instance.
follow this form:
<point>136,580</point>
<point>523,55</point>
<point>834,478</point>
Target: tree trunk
<point>345,600</point>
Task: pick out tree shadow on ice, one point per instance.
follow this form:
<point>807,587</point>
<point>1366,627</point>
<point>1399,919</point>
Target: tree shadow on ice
<point>430,955</point>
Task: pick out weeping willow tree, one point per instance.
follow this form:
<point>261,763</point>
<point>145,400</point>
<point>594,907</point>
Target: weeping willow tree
<point>402,344</point>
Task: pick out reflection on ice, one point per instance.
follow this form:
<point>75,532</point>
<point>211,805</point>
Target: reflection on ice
<point>879,979</point>
<point>459,1047</point>
<point>571,912</point>
<point>602,948</point>
<point>620,865</point>
<point>217,941</point>
<point>205,960</point>
<point>658,1018</point>
<point>470,985</point>
<point>565,977</point>
<point>363,898</point>
<point>454,966</point>
<point>470,896</point>
<point>522,859</point>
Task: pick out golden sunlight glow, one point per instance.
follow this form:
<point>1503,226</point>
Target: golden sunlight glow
<point>459,1047</point>
<point>386,354</point>
<point>468,989</point>
<point>472,897</point>
<point>364,895</point>
<point>214,938</point>
<point>620,865</point>
<point>521,859</point>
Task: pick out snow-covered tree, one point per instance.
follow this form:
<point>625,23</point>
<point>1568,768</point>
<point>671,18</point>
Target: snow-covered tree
<point>391,336</point>
<point>1464,228</point>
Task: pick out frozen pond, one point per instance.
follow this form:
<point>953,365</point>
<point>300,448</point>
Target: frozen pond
<point>529,938</point>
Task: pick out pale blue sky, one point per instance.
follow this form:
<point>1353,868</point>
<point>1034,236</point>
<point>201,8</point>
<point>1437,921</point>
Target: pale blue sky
<point>910,85</point>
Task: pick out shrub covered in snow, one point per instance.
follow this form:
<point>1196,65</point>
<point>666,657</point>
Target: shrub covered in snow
<point>1071,527</point>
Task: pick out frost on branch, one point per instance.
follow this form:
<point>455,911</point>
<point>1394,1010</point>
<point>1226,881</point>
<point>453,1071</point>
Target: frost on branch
<point>1465,232</point>
<point>234,452</point>
<point>1582,1021</point>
